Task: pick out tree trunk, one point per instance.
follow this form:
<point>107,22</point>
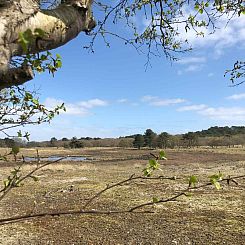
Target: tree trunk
<point>60,26</point>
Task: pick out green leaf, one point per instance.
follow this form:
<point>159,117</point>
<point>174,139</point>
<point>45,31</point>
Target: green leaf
<point>15,150</point>
<point>6,183</point>
<point>188,194</point>
<point>217,185</point>
<point>155,199</point>
<point>58,63</point>
<point>196,7</point>
<point>147,172</point>
<point>162,155</point>
<point>23,42</point>
<point>19,133</point>
<point>152,162</point>
<point>39,32</point>
<point>193,181</point>
<point>200,11</point>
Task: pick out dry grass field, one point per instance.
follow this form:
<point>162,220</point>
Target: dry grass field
<point>210,216</point>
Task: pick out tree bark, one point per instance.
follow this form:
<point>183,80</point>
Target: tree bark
<point>60,26</point>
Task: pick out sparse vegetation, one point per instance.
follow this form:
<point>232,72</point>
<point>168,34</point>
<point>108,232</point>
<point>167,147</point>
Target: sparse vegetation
<point>175,221</point>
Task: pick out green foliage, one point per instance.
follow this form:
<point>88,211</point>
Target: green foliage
<point>29,37</point>
<point>163,21</point>
<point>43,62</point>
<point>193,180</point>
<point>162,155</point>
<point>20,107</point>
<point>221,131</point>
<point>190,139</point>
<point>13,179</point>
<point>154,164</point>
<point>155,199</point>
<point>237,73</point>
<point>149,137</point>
<point>75,143</point>
<point>138,141</point>
<point>163,140</point>
<point>15,150</point>
<point>214,179</point>
<point>38,62</point>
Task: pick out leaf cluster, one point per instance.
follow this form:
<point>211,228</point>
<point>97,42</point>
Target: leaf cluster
<point>154,164</point>
<point>20,107</point>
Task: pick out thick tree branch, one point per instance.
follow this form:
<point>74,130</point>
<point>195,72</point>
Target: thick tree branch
<point>15,76</point>
<point>60,25</point>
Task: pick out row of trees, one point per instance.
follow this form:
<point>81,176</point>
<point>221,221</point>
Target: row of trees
<point>164,140</point>
<point>149,139</point>
<point>214,137</point>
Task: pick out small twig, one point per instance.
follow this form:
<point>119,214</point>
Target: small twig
<point>160,201</point>
<point>131,178</point>
<point>11,185</point>
<point>101,212</point>
<point>183,193</point>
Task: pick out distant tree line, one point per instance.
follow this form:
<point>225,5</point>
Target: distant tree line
<point>221,131</point>
<point>212,137</point>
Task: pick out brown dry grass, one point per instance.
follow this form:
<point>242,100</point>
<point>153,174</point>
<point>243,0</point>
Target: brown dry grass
<point>209,217</point>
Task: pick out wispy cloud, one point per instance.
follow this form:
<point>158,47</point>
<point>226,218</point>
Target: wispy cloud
<point>191,60</point>
<point>236,97</point>
<point>224,113</point>
<point>193,107</point>
<point>80,108</point>
<point>122,100</point>
<point>221,39</point>
<point>217,113</point>
<point>191,64</point>
<point>92,103</point>
<point>156,101</point>
<point>192,68</point>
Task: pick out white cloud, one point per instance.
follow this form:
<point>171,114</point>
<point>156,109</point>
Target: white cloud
<point>192,107</point>
<point>92,103</point>
<point>122,101</point>
<point>148,98</point>
<point>225,35</point>
<point>156,101</point>
<point>217,113</point>
<point>236,97</point>
<point>80,108</point>
<point>191,68</point>
<point>224,113</point>
<point>191,60</point>
<point>191,64</point>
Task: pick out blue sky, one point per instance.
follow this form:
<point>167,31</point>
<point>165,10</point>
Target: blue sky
<point>109,93</point>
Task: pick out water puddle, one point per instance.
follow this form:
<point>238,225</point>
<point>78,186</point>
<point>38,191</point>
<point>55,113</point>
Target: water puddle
<point>55,158</point>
